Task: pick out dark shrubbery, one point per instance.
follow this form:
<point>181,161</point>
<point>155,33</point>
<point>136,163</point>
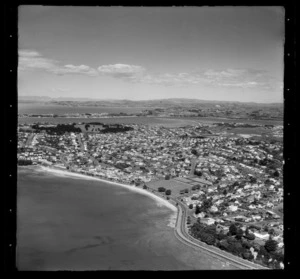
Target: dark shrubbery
<point>223,245</point>
<point>271,245</point>
<point>238,244</point>
<point>207,238</point>
<point>233,229</point>
<point>210,230</point>
<point>22,162</point>
<point>59,129</point>
<point>247,255</point>
<point>67,128</point>
<point>249,236</point>
<point>168,192</point>
<point>221,236</point>
<point>197,209</point>
<point>206,205</point>
<point>161,189</point>
<point>198,173</point>
<point>121,166</point>
<point>263,253</point>
<point>239,234</point>
<point>196,187</point>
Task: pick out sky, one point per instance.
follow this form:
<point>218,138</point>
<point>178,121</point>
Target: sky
<point>142,53</point>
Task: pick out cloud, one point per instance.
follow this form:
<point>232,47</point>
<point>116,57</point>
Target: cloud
<point>54,89</point>
<point>234,78</point>
<point>138,74</point>
<point>167,79</point>
<point>122,71</point>
<point>239,78</point>
<point>71,69</point>
<point>31,60</point>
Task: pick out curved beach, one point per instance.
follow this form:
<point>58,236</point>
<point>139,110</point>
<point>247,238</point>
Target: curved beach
<point>73,224</point>
<point>131,188</point>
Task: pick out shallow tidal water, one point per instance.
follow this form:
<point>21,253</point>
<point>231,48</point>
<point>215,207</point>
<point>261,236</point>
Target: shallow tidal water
<point>66,223</point>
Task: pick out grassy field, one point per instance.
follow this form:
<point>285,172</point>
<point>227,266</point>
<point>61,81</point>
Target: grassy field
<point>278,210</point>
<point>172,184</point>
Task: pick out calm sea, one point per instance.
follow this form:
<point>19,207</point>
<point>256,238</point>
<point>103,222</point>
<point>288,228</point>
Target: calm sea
<point>66,223</point>
<point>57,109</point>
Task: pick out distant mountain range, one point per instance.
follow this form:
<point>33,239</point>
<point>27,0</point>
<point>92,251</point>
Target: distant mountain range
<point>131,103</point>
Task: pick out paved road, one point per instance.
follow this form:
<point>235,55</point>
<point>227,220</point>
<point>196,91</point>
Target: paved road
<point>183,236</point>
<point>29,140</point>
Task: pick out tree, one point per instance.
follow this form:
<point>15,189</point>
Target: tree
<point>246,244</point>
<point>249,236</point>
<point>194,152</point>
<point>207,238</point>
<point>168,192</point>
<point>233,229</point>
<point>145,187</point>
<point>239,234</point>
<point>221,236</point>
<point>263,252</point>
<point>197,209</point>
<point>198,173</point>
<point>206,205</point>
<point>235,246</point>
<point>186,190</point>
<point>167,177</point>
<point>235,184</point>
<point>253,179</point>
<point>271,245</point>
<point>22,162</point>
<point>195,187</point>
<point>223,245</point>
<point>161,189</point>
<point>191,206</point>
<point>247,255</point>
<point>211,230</point>
<point>278,256</point>
<point>271,231</point>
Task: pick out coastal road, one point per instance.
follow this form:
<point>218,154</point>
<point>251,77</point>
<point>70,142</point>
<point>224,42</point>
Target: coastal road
<point>183,236</point>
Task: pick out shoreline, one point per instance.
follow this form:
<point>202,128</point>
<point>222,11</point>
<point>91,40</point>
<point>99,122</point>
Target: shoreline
<point>145,192</point>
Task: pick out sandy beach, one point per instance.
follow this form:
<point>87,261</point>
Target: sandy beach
<point>158,199</point>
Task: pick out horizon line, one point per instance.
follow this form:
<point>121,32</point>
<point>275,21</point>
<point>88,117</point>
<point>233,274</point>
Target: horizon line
<point>145,100</point>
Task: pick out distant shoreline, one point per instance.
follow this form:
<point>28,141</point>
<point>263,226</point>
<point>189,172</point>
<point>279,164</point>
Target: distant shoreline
<point>146,192</point>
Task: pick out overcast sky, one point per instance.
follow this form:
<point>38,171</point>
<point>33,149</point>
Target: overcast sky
<point>209,53</point>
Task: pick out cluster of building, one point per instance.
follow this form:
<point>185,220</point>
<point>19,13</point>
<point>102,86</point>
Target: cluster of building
<point>243,177</point>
